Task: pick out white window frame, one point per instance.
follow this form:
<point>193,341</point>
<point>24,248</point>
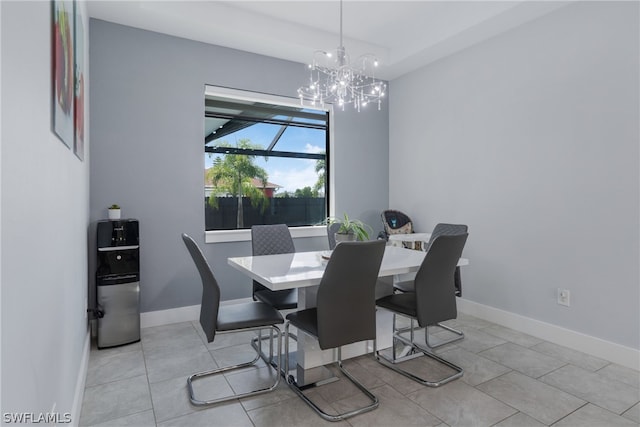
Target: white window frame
<point>222,236</point>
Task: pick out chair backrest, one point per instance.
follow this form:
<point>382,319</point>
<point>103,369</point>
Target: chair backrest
<point>443,229</point>
<point>435,295</point>
<point>332,229</point>
<point>346,301</point>
<point>396,222</point>
<point>272,239</point>
<point>210,289</point>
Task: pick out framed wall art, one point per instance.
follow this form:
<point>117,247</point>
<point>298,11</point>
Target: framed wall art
<point>79,77</point>
<point>63,71</point>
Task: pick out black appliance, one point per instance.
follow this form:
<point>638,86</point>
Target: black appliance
<point>118,282</point>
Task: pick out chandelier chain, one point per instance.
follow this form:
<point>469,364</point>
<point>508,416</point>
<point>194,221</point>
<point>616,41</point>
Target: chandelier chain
<point>341,44</point>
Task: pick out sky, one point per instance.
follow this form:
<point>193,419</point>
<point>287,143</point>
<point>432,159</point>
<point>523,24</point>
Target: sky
<point>289,173</point>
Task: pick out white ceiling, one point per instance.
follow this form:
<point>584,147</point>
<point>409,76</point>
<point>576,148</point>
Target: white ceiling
<point>404,35</point>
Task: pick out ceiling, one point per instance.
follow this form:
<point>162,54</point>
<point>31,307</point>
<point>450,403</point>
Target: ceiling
<point>404,35</point>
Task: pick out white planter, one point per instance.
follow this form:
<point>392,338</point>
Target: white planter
<point>345,237</point>
<point>114,213</point>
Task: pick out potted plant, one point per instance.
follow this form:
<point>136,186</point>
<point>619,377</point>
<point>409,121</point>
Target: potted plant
<point>114,212</point>
<point>350,229</point>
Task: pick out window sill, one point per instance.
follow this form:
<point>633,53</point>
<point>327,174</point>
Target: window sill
<point>222,236</point>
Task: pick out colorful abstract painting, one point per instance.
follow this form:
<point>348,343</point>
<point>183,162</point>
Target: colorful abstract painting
<point>80,69</point>
<point>63,71</point>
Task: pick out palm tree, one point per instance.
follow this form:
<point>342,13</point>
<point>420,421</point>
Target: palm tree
<point>321,171</point>
<point>233,175</point>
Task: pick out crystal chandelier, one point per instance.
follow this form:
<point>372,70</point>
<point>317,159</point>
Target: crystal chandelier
<point>333,79</point>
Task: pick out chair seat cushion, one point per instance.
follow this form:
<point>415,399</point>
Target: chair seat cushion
<point>247,315</point>
<point>406,286</point>
<point>306,320</point>
<point>286,299</point>
<point>400,303</point>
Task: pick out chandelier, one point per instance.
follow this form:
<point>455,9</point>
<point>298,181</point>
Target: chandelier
<point>335,80</point>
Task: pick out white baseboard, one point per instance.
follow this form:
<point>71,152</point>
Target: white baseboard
<point>177,315</point>
<point>81,381</point>
<point>597,347</point>
<point>172,315</point>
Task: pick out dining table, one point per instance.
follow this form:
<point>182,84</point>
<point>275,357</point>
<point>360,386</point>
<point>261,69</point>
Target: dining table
<point>304,270</point>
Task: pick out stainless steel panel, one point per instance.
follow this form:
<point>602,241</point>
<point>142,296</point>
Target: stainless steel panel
<point>121,307</point>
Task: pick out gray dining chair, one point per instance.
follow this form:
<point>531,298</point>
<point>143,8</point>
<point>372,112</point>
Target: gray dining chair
<point>252,316</point>
<point>345,312</point>
<point>432,302</point>
<point>273,239</point>
<point>441,229</point>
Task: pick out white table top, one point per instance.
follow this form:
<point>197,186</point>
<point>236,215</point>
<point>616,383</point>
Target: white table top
<point>303,269</point>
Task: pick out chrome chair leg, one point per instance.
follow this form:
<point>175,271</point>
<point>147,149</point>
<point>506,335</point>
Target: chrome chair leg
<point>416,350</point>
<point>256,343</point>
<point>407,350</point>
<point>411,329</point>
<point>192,378</point>
<point>329,417</point>
<point>449,341</point>
<point>437,383</point>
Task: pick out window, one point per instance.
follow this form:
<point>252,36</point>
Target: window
<point>266,161</point>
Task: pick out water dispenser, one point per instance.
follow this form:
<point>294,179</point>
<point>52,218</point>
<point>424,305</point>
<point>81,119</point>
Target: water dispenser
<point>118,282</point>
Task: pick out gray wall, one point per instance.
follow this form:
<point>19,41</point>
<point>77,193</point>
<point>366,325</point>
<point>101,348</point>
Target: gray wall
<point>45,211</point>
<point>147,150</point>
<point>531,138</point>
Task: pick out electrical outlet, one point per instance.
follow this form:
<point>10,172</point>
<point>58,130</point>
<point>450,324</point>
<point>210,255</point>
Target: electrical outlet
<point>564,297</point>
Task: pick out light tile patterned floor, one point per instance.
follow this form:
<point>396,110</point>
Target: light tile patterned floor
<point>511,379</point>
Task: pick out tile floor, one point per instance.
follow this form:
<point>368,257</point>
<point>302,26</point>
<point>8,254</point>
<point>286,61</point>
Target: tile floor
<point>511,379</point>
